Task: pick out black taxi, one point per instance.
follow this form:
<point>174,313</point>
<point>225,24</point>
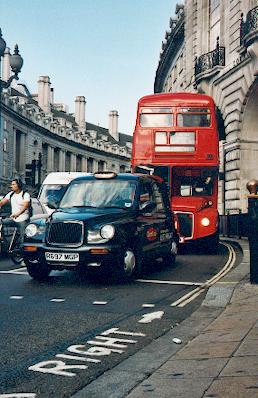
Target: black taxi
<point>104,219</point>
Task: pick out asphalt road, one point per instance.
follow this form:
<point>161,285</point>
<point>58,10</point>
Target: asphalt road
<point>55,336</point>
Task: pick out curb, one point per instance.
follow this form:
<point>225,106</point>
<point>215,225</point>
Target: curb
<point>119,381</point>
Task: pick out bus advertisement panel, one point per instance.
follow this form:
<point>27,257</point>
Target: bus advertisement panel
<point>176,137</point>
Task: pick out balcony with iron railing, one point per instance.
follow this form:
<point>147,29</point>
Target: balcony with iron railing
<point>249,27</point>
<point>207,62</point>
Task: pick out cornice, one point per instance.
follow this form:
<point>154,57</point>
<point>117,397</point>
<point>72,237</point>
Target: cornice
<point>174,42</point>
<point>47,133</point>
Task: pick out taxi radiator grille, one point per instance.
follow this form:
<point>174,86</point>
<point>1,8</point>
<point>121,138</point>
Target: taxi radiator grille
<point>185,221</point>
<point>66,233</point>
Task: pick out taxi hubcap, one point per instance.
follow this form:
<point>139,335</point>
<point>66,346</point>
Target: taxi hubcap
<point>129,261</point>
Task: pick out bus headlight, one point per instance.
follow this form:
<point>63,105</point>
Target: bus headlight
<point>107,231</point>
<point>205,222</point>
<point>31,230</point>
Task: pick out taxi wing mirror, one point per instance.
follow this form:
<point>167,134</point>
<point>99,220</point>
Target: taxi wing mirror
<point>147,207</point>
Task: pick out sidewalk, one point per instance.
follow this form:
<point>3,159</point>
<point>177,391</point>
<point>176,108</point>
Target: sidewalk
<point>218,356</point>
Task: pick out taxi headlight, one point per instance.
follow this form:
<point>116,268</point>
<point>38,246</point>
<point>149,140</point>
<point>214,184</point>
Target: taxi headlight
<point>107,231</point>
<point>205,222</point>
<point>31,230</point>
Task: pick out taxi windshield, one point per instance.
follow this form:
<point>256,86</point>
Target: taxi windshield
<point>99,194</point>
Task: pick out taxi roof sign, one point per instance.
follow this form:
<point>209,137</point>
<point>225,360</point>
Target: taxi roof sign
<point>105,174</point>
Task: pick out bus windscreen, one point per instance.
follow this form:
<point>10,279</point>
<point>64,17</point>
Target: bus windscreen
<point>156,117</point>
<point>193,117</point>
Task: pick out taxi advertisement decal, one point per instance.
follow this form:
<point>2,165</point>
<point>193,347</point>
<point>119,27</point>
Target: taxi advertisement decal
<point>151,234</point>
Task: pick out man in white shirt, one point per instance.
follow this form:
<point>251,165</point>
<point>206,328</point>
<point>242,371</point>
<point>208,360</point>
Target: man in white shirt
<point>20,203</point>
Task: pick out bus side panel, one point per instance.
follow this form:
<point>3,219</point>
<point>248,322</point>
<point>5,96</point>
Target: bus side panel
<point>142,147</point>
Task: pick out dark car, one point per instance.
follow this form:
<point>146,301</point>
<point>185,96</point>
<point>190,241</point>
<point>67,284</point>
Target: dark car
<point>103,220</point>
<point>38,211</point>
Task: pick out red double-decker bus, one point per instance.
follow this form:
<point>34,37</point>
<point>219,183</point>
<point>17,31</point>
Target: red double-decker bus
<point>176,137</point>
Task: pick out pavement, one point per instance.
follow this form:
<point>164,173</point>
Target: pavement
<point>217,357</point>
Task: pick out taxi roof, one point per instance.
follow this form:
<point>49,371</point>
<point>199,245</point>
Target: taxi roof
<point>117,176</point>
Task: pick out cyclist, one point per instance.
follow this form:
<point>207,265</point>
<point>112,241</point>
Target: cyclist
<point>20,204</point>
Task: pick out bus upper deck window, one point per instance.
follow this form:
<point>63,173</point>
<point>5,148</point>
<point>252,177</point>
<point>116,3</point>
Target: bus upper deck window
<point>156,117</point>
<point>194,117</point>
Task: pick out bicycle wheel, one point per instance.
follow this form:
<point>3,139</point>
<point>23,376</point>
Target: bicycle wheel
<point>14,249</point>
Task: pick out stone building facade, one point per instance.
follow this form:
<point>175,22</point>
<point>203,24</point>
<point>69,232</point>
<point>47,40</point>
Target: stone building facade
<point>37,131</point>
<point>212,48</point>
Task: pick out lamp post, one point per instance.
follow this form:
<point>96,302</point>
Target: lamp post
<point>16,63</point>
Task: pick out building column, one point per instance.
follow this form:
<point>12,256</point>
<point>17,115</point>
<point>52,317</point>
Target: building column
<point>73,162</point>
<point>61,160</point>
<point>95,166</point>
<point>50,158</point>
<point>84,164</point>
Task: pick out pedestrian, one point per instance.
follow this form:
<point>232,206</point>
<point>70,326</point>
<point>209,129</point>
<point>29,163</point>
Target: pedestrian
<point>20,206</point>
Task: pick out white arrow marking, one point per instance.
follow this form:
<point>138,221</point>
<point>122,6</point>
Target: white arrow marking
<point>147,318</point>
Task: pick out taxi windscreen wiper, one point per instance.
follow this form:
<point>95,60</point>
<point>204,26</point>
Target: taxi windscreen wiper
<point>114,207</point>
<point>70,207</point>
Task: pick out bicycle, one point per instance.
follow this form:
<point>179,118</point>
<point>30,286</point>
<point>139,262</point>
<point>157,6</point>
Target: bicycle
<point>13,248</point>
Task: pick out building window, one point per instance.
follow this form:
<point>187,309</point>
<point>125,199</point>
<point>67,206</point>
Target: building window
<point>5,168</point>
<point>68,161</point>
<point>90,165</point>
<point>19,152</point>
<point>181,63</point>
<point>214,11</point>
<point>5,124</point>
<point>79,163</point>
<point>174,73</point>
<point>56,159</point>
<point>101,165</point>
<point>5,148</point>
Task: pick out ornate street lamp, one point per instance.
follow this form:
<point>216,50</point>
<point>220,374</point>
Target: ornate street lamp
<point>16,63</point>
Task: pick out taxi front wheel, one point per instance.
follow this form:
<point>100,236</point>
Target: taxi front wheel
<point>38,271</point>
<point>129,263</point>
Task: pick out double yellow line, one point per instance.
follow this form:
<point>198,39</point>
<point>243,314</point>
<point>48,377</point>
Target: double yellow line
<point>187,298</point>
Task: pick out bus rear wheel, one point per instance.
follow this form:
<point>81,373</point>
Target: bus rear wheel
<point>170,258</point>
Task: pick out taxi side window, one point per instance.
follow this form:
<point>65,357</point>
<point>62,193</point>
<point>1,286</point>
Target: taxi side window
<point>151,192</point>
<point>145,193</point>
<point>158,198</point>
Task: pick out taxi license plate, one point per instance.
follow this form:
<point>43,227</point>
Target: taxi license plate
<point>62,257</point>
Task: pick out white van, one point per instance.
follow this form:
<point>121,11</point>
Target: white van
<point>54,185</point>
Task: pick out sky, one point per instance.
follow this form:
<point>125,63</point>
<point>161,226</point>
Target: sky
<point>105,50</point>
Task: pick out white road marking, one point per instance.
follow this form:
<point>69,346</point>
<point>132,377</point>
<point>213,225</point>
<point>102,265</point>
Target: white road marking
<point>99,302</point>
<point>17,271</point>
<point>102,346</point>
<point>16,297</point>
<point>13,272</point>
<point>147,318</point>
<point>19,395</point>
<point>169,282</point>
<point>57,300</point>
<point>148,305</point>
<point>187,298</point>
